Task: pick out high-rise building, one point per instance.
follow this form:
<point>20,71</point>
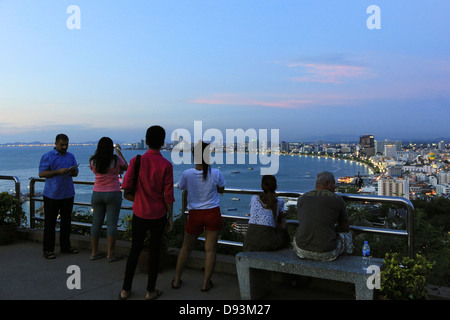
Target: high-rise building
<point>379,145</point>
<point>393,187</point>
<point>390,150</point>
<point>367,143</point>
<point>444,177</point>
<point>345,148</point>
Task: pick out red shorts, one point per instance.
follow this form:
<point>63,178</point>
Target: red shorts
<point>204,219</point>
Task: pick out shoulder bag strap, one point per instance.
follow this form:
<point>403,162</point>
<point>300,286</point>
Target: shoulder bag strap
<point>137,167</point>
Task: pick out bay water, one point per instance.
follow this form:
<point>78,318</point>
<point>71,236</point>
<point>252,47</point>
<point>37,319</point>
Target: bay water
<point>296,174</point>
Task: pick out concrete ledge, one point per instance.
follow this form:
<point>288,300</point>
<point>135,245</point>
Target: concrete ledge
<point>253,268</point>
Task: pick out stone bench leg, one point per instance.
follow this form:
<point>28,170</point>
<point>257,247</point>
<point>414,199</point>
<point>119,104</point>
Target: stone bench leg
<point>362,291</point>
<point>251,282</point>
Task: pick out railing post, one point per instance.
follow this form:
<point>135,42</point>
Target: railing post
<point>183,202</point>
<point>410,228</point>
<point>16,184</point>
<point>32,203</point>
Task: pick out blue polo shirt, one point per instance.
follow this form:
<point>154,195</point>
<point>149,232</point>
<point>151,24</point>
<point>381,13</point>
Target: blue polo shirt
<point>61,186</point>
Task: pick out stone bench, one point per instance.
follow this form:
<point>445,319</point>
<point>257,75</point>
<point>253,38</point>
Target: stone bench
<point>252,270</point>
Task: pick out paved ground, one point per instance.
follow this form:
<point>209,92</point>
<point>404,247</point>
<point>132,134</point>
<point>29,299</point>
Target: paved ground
<point>25,274</point>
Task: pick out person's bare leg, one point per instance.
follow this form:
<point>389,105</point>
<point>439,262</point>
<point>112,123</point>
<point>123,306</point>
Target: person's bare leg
<point>94,246</point>
<point>188,245</point>
<point>111,246</point>
<point>210,259</point>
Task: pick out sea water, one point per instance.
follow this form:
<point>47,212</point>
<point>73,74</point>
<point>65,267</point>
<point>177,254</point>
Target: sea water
<point>296,174</point>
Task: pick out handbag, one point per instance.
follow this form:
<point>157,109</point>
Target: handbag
<point>130,193</point>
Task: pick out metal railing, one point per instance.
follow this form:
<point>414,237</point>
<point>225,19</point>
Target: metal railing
<point>34,198</point>
<point>408,233</point>
<point>16,184</point>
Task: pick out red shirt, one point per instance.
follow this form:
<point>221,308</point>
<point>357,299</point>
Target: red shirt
<point>155,185</point>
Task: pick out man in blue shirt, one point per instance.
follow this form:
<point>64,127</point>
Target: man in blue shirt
<point>58,167</point>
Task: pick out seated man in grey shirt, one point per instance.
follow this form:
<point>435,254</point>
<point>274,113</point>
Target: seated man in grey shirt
<point>323,231</point>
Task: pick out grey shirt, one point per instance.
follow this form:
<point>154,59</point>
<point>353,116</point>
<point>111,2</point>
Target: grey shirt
<point>318,212</point>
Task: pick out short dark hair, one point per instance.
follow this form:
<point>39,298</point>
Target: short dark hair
<point>61,136</point>
<point>324,177</point>
<point>155,137</point>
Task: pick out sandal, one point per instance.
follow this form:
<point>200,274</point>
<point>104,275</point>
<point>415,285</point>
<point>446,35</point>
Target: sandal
<point>49,255</point>
<point>153,295</point>
<point>70,250</point>
<point>97,256</point>
<point>114,259</point>
<point>127,295</point>
<point>208,288</point>
<point>179,284</point>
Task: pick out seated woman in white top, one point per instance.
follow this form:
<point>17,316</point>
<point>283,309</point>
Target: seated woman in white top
<point>266,229</point>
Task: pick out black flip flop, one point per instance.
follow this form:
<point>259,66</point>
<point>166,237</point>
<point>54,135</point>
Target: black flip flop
<point>209,287</point>
<point>176,287</point>
<point>153,296</point>
<point>49,255</point>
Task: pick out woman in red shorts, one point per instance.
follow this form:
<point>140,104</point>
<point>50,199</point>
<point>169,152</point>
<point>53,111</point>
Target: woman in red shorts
<point>203,185</point>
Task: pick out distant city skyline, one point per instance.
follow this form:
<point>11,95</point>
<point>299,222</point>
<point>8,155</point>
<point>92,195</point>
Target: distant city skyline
<point>312,140</point>
<point>313,70</point>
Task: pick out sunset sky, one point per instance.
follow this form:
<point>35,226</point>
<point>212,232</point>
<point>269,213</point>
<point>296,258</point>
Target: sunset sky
<point>308,68</point>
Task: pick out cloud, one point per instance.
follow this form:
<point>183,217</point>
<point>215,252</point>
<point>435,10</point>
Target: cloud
<point>236,100</point>
<point>328,73</point>
<point>292,101</point>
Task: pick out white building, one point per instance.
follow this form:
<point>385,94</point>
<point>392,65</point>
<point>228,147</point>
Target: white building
<point>395,171</point>
<point>405,155</point>
<point>379,145</point>
<point>390,150</point>
<point>393,187</point>
<point>443,177</point>
<point>432,180</point>
<point>442,189</point>
<point>425,169</point>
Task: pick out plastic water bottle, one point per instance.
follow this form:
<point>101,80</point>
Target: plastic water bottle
<point>365,256</point>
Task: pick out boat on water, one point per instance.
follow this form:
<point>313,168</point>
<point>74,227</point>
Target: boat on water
<point>235,199</point>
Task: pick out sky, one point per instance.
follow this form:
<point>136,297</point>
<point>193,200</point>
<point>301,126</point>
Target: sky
<point>311,69</point>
